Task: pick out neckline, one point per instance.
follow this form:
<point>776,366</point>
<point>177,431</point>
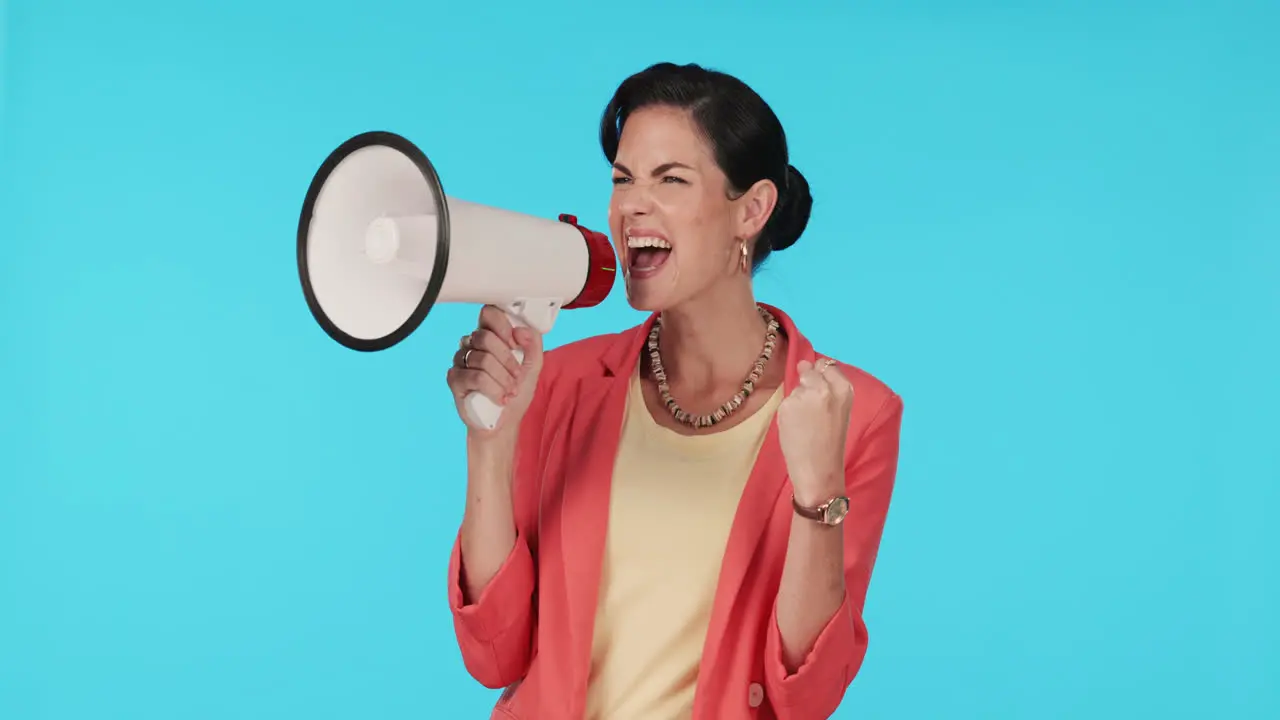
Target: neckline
<point>707,443</point>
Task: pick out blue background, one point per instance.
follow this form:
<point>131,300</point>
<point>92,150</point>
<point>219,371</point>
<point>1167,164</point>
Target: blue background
<point>1053,227</point>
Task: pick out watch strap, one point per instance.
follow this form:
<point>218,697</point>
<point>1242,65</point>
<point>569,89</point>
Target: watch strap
<point>818,513</point>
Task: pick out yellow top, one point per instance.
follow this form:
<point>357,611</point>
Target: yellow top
<point>672,503</point>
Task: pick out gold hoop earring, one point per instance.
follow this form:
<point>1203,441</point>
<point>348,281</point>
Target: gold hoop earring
<point>744,263</point>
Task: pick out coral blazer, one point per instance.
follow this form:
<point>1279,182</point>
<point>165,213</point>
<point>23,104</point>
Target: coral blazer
<point>530,631</point>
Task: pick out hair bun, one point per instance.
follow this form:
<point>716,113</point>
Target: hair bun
<point>791,215</point>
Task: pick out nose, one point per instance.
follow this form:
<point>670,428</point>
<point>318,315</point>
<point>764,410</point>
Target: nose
<point>632,201</point>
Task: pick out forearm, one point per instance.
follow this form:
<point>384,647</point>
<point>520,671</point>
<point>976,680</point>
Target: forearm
<point>813,580</point>
<point>488,531</point>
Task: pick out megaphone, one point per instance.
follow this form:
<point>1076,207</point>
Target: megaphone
<point>380,244</point>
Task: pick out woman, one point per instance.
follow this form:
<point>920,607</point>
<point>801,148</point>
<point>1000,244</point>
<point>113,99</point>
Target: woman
<point>641,539</point>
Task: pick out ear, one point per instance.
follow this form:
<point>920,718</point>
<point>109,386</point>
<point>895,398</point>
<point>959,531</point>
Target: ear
<point>754,208</point>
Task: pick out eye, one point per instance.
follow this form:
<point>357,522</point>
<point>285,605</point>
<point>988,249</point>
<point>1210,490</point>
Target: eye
<point>619,180</point>
<point>673,179</point>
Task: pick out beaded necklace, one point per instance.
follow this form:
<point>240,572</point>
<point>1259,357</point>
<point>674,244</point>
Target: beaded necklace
<point>732,405</point>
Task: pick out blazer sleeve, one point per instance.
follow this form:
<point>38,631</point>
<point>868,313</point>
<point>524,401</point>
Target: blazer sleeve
<point>495,632</point>
<point>815,690</point>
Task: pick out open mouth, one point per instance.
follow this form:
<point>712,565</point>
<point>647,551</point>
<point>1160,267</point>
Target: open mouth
<point>646,254</point>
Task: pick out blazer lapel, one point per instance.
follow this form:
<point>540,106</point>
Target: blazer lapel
<point>594,435</point>
<point>760,497</point>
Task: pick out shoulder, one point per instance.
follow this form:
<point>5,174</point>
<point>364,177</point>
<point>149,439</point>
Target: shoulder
<point>563,369</point>
<point>875,424</point>
<point>579,352</point>
<point>874,401</point>
<point>877,408</point>
<point>588,357</point>
<point>872,396</point>
<point>867,388</point>
<point>580,357</point>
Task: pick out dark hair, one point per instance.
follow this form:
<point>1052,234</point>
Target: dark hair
<point>746,138</point>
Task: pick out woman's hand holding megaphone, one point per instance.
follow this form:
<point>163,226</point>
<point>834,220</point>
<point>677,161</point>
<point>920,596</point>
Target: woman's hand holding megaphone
<point>485,363</point>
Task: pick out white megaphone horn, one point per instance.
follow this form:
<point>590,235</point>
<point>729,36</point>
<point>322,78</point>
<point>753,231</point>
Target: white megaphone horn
<point>380,244</point>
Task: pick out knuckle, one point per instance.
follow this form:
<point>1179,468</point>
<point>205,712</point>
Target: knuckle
<point>489,315</point>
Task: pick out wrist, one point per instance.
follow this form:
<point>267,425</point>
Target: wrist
<point>491,449</point>
<point>813,489</point>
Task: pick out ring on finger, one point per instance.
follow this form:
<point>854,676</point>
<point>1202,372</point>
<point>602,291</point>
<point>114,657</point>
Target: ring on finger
<point>466,357</point>
<point>826,363</point>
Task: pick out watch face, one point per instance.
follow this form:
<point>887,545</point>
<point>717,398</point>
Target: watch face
<point>837,510</point>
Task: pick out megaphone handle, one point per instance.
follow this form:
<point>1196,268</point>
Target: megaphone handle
<point>482,412</point>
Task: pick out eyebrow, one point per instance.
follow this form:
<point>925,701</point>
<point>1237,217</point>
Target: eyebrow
<point>661,169</point>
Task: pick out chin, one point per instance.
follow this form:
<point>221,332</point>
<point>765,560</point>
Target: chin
<point>649,302</point>
<point>653,294</point>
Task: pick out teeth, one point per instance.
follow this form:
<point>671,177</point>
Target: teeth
<point>645,242</point>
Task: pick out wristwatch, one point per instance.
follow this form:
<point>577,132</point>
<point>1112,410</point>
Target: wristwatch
<point>831,512</point>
